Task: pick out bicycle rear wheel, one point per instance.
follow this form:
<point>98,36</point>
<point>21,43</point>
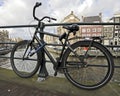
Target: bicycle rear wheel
<point>24,65</point>
<point>90,71</point>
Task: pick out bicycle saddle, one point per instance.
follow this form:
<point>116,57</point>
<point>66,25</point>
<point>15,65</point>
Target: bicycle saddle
<point>72,28</point>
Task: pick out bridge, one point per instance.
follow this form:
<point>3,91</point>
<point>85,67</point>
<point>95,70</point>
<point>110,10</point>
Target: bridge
<point>116,55</point>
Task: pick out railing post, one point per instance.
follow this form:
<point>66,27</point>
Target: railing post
<point>43,73</point>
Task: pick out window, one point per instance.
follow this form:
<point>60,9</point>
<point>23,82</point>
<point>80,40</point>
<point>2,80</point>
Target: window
<point>105,29</point>
<point>94,30</point>
<point>88,35</point>
<point>83,30</point>
<point>116,42</point>
<point>117,26</point>
<point>83,35</point>
<point>98,34</point>
<point>110,29</point>
<point>116,34</point>
<point>105,34</point>
<point>117,20</point>
<point>96,22</point>
<point>93,35</point>
<point>110,35</point>
<point>88,29</point>
<point>119,34</point>
<point>99,29</point>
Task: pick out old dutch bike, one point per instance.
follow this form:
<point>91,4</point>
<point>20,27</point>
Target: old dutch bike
<point>87,64</point>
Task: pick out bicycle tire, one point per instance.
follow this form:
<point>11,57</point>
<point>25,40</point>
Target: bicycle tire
<point>88,76</point>
<point>24,68</point>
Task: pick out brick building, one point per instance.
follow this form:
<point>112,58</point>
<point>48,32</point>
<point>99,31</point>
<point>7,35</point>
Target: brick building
<point>92,30</point>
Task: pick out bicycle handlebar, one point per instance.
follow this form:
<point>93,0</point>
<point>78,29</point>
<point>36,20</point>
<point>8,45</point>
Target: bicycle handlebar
<point>38,4</point>
<point>45,17</point>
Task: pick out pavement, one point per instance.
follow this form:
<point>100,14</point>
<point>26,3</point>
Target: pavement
<point>12,85</point>
<point>15,89</point>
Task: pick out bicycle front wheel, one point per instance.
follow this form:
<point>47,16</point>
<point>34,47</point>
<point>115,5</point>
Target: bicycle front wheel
<point>24,65</point>
<point>88,67</point>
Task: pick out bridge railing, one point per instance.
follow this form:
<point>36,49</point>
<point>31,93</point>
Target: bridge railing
<point>13,43</point>
<point>56,24</point>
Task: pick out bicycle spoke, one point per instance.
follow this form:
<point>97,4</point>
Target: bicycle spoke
<point>22,64</point>
<point>86,69</point>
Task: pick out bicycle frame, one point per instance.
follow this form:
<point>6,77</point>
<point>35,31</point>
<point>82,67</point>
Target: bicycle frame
<point>78,64</point>
<point>43,44</point>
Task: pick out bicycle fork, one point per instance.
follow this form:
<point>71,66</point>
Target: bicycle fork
<point>31,51</point>
<point>35,51</point>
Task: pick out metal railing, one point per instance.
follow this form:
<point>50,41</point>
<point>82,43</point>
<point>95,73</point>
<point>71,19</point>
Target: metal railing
<point>56,24</point>
<point>12,43</point>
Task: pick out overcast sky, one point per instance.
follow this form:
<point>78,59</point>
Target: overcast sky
<point>15,12</point>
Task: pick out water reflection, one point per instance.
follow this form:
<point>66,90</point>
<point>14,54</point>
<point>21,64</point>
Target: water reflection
<point>116,77</point>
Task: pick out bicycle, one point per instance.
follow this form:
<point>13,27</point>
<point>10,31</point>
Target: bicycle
<point>83,68</point>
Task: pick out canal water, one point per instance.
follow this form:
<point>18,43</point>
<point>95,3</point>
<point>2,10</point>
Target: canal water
<point>5,63</point>
<point>116,75</point>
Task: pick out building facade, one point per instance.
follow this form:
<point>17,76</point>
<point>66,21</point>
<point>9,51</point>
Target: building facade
<point>111,33</point>
<point>4,37</point>
<point>108,34</point>
<point>116,34</point>
<point>71,18</point>
<point>92,30</point>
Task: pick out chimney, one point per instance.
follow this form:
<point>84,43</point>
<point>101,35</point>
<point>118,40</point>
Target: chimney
<point>71,12</point>
<point>100,15</point>
<point>83,18</point>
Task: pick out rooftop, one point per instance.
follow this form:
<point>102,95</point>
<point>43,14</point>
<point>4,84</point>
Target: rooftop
<point>92,19</point>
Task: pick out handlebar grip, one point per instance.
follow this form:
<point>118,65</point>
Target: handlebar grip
<point>38,4</point>
<point>54,19</point>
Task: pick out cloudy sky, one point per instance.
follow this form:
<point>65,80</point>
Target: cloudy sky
<point>15,12</point>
